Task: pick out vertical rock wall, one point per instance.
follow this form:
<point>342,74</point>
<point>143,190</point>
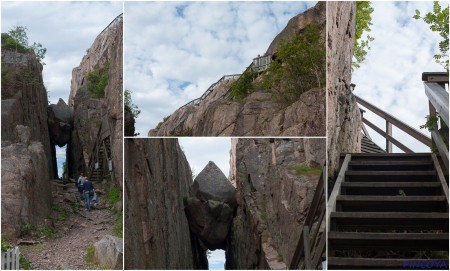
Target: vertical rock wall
<point>273,200</point>
<point>28,162</point>
<point>344,119</point>
<point>88,111</point>
<point>157,236</point>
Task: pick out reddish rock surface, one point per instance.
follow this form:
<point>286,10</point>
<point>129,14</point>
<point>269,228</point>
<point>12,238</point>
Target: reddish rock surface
<point>344,119</point>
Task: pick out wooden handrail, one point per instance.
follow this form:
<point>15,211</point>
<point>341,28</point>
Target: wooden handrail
<point>438,98</point>
<point>306,245</point>
<point>398,123</point>
<point>440,175</point>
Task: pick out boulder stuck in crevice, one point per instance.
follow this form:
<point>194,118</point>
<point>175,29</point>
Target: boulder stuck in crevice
<point>60,122</point>
<point>210,206</point>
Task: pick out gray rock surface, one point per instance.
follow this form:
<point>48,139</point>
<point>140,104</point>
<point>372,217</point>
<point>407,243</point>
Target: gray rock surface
<point>157,234</point>
<point>273,200</point>
<point>60,122</point>
<point>109,252</point>
<point>210,221</point>
<point>344,119</point>
<point>212,184</point>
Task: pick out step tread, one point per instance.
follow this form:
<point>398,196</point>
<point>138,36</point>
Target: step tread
<point>365,263</point>
<point>389,163</point>
<point>389,198</point>
<point>391,184</point>
<point>389,173</point>
<point>381,215</point>
<point>386,236</point>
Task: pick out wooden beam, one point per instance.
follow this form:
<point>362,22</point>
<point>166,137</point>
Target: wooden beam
<point>390,138</point>
<point>440,175</point>
<point>435,77</point>
<point>307,247</point>
<point>389,132</point>
<point>401,125</point>
<point>331,207</point>
<point>439,98</point>
<point>442,148</point>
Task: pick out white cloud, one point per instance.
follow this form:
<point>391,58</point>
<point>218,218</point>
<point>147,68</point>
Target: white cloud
<point>175,50</point>
<point>66,29</point>
<point>391,76</point>
<point>216,260</point>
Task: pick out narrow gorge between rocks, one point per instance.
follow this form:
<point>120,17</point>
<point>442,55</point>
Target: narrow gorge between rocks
<point>41,211</point>
<point>256,215</point>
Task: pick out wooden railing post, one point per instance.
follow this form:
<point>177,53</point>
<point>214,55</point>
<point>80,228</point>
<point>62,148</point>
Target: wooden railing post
<point>389,132</point>
<point>307,248</point>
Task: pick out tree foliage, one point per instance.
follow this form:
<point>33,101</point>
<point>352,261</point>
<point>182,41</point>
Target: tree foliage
<point>129,106</point>
<point>17,39</point>
<point>243,86</point>
<point>97,81</point>
<point>300,65</point>
<point>438,21</point>
<point>363,23</point>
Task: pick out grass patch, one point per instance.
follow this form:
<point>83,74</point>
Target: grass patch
<point>24,263</point>
<point>185,132</point>
<point>45,232</point>
<point>279,257</point>
<point>299,170</point>
<point>118,225</point>
<point>89,257</point>
<point>34,248</point>
<point>113,195</point>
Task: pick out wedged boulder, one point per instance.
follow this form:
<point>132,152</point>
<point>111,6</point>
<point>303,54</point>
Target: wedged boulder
<point>60,122</point>
<point>212,184</point>
<point>209,221</point>
<point>109,252</point>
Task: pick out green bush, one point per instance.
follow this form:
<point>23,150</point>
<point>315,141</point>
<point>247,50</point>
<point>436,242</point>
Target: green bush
<point>243,86</point>
<point>299,170</point>
<point>300,65</point>
<point>113,195</point>
<point>118,225</point>
<point>89,257</point>
<point>97,81</point>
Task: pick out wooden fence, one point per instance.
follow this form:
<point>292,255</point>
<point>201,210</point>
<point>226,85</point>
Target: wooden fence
<point>311,244</point>
<point>10,259</point>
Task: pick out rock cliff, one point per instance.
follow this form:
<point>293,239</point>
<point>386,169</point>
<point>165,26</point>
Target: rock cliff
<point>107,49</point>
<point>257,114</point>
<point>273,199</point>
<point>28,156</point>
<point>344,119</point>
<point>157,236</point>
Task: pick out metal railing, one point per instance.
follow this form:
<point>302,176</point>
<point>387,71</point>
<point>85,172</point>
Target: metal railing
<point>311,244</point>
<point>434,84</point>
<point>391,120</point>
<point>113,22</point>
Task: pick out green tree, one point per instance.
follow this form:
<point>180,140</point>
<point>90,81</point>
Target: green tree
<point>363,23</point>
<point>438,21</point>
<point>97,81</point>
<point>17,39</point>
<point>300,65</point>
<point>129,106</point>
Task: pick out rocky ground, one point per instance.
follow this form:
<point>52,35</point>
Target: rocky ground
<point>76,231</point>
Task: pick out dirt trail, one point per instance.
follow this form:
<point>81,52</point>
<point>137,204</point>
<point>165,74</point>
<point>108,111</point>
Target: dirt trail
<point>76,230</point>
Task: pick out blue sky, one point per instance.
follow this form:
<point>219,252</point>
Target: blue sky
<point>199,151</point>
<point>175,50</point>
<point>66,29</point>
<point>391,76</point>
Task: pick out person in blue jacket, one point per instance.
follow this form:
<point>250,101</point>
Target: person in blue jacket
<point>88,191</point>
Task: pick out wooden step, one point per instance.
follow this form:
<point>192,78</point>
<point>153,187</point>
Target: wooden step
<point>389,220</point>
<point>401,165</point>
<point>391,188</point>
<point>388,241</point>
<point>350,203</point>
<point>338,263</point>
<point>390,176</point>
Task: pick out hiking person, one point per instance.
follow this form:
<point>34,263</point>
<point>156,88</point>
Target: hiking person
<point>88,190</point>
<point>80,185</point>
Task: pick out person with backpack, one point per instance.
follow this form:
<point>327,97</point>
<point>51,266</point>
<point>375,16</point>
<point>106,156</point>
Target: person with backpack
<point>88,191</point>
<point>80,186</point>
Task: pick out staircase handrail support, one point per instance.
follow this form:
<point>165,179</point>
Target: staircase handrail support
<point>303,242</point>
<point>393,120</point>
<point>101,134</point>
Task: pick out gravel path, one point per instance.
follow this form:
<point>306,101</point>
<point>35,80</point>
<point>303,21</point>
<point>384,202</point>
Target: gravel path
<point>75,234</point>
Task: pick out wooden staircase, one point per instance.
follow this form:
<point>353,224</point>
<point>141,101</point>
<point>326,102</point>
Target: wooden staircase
<point>386,210</point>
<point>100,158</point>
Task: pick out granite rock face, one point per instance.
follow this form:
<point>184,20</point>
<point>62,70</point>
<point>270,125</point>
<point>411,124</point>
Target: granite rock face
<point>257,114</point>
<point>88,112</point>
<point>209,209</point>
<point>273,200</point>
<point>28,162</point>
<point>60,122</point>
<point>109,252</point>
<point>157,235</point>
<point>344,119</point>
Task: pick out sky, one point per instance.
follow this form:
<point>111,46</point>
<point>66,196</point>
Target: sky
<point>66,29</point>
<point>175,50</point>
<point>199,151</point>
<point>391,76</point>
